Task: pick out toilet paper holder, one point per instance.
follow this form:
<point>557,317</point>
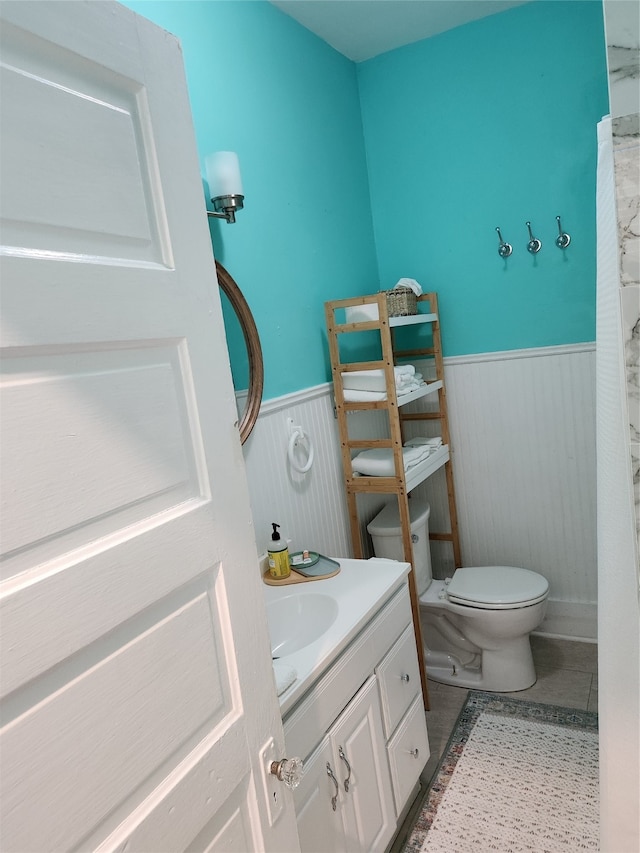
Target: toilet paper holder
<point>298,437</point>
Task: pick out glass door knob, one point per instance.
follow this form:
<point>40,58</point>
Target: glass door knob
<point>289,771</point>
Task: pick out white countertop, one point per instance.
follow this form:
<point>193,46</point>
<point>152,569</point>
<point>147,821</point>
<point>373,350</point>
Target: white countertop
<point>360,590</point>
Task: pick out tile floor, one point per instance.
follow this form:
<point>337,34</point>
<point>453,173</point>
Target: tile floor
<point>567,676</point>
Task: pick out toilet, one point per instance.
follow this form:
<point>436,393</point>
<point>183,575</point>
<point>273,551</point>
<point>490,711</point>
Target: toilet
<point>476,624</point>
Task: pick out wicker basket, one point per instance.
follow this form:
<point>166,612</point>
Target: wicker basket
<point>401,302</point>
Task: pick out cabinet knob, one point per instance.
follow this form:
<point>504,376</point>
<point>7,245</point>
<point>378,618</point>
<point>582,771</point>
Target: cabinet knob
<point>415,752</point>
<point>405,677</point>
<point>289,771</point>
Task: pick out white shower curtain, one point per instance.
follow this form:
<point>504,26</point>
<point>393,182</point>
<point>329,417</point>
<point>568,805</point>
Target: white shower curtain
<point>618,601</point>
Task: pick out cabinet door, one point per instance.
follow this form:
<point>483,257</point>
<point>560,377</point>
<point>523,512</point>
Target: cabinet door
<point>359,751</point>
<point>320,826</point>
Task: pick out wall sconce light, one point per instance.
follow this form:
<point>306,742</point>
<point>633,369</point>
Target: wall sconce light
<point>225,184</point>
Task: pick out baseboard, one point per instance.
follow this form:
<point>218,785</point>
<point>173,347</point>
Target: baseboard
<point>570,620</point>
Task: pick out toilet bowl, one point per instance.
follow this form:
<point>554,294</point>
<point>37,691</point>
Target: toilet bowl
<point>476,627</point>
<point>476,624</point>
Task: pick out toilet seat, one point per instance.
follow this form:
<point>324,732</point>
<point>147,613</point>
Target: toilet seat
<point>496,587</point>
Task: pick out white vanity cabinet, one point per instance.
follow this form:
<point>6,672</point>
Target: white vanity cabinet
<point>345,800</point>
<point>361,723</point>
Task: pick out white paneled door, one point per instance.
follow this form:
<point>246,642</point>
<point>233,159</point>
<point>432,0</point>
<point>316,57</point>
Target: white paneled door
<point>137,692</point>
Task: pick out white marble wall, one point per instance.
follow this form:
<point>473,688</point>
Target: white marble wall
<point>622,33</point>
<point>622,29</point>
<point>626,158</point>
<point>623,55</point>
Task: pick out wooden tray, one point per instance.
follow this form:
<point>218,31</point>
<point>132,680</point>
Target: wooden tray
<point>294,577</point>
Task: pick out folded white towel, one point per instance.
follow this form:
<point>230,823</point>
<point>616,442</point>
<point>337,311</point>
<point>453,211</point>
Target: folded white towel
<point>285,676</point>
<point>375,380</point>
<point>378,462</point>
<point>405,380</point>
<point>410,386</point>
<point>364,380</point>
<point>409,282</point>
<point>433,443</point>
<point>404,370</point>
<point>410,462</point>
<point>355,396</point>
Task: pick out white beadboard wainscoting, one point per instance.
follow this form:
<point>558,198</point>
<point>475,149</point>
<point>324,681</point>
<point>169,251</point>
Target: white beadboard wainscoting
<point>311,507</point>
<point>523,440</point>
<point>523,436</point>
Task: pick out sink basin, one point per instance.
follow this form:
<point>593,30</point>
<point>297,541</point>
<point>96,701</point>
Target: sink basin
<point>299,619</point>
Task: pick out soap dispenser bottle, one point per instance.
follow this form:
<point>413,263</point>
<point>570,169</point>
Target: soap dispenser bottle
<point>279,567</point>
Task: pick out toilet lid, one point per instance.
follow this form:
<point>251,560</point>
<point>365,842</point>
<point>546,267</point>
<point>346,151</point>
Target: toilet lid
<point>496,586</point>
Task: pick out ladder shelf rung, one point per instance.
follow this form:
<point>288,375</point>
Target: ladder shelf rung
<point>364,443</point>
<point>353,366</point>
<point>364,406</point>
<point>420,416</point>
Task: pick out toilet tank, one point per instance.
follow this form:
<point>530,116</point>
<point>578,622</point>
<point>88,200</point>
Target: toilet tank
<point>386,533</point>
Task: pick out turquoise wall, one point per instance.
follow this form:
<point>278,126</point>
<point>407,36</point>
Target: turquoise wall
<point>492,124</point>
<point>428,147</point>
<point>288,104</point>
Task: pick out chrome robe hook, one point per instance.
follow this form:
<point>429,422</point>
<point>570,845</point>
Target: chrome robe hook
<point>562,240</point>
<point>504,249</point>
<point>534,245</point>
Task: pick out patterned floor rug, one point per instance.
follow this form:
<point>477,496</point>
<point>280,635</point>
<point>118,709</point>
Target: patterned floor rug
<point>516,776</point>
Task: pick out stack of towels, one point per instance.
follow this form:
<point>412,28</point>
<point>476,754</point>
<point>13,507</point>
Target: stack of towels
<point>378,462</point>
<point>407,379</point>
<point>361,386</point>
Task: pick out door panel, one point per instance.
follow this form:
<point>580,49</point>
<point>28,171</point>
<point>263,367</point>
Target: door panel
<point>136,676</point>
<point>48,94</point>
<point>89,583</point>
<point>134,742</point>
<point>89,397</point>
<point>229,830</point>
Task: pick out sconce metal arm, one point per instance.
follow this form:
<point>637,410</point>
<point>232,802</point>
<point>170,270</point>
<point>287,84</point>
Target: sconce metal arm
<point>225,207</point>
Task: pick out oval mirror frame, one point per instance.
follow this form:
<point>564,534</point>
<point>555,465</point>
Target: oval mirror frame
<point>254,350</point>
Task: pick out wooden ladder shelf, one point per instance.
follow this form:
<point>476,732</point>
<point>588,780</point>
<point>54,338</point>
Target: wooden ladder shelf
<point>401,483</point>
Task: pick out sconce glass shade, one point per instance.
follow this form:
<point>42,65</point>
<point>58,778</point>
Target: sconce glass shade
<point>223,174</point>
<point>225,185</point>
